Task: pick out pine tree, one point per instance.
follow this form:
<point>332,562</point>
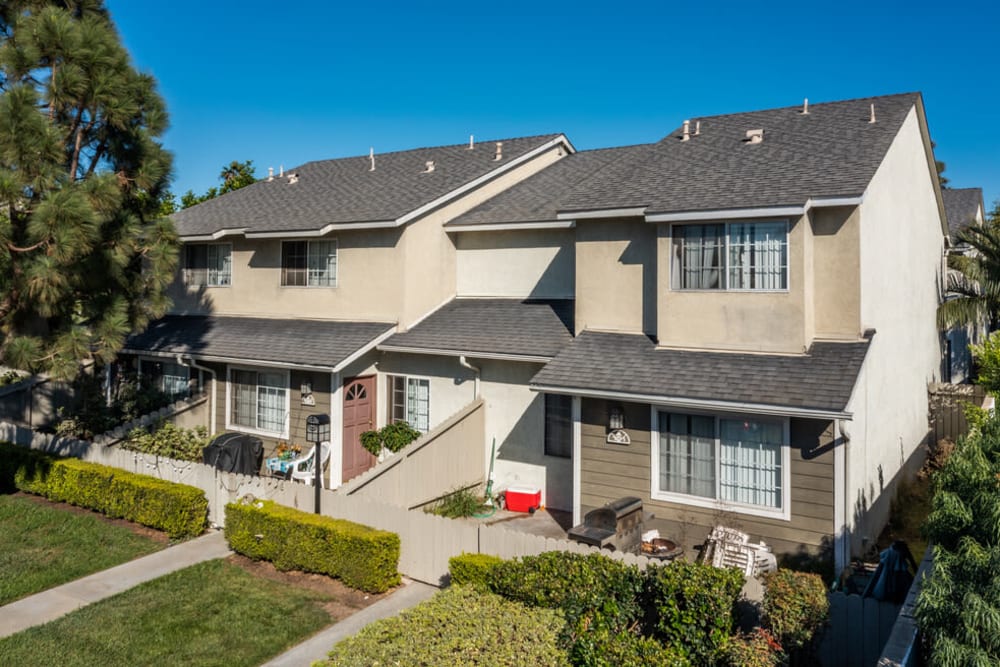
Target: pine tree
<point>85,254</point>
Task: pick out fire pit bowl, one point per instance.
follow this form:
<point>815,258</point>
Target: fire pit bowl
<point>662,548</point>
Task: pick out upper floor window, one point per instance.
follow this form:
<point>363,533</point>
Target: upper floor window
<point>730,256</point>
<point>208,264</point>
<point>309,263</point>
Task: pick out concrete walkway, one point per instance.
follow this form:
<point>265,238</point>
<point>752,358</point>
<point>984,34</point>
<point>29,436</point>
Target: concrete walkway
<point>55,602</point>
<point>316,648</point>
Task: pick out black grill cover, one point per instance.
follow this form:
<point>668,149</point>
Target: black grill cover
<point>235,452</point>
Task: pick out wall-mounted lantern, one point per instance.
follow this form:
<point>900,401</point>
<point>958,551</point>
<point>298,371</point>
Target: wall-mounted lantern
<point>617,435</point>
<point>318,432</point>
<point>306,392</point>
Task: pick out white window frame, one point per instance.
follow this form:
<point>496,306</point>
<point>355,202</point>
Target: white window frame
<point>284,433</point>
<point>407,378</point>
<point>724,269</point>
<point>159,385</point>
<point>187,271</point>
<point>784,512</point>
<point>309,246</point>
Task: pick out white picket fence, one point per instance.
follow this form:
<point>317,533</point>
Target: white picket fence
<point>427,541</point>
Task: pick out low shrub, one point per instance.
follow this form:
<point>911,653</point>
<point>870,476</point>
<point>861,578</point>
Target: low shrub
<point>754,649</point>
<point>594,592</point>
<point>457,505</point>
<point>691,607</point>
<point>795,607</point>
<point>361,557</point>
<point>473,569</point>
<point>458,626</point>
<point>167,439</point>
<point>623,649</point>
<point>177,509</point>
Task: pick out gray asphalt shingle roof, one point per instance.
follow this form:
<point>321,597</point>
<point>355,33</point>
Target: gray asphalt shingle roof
<point>831,151</point>
<point>260,340</point>
<point>346,191</point>
<point>540,197</point>
<point>536,328</point>
<point>961,206</point>
<point>822,379</point>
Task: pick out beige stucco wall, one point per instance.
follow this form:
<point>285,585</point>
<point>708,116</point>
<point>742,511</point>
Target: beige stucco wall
<point>616,275</point>
<point>836,271</point>
<point>901,247</point>
<point>514,416</point>
<point>524,263</point>
<point>731,320</point>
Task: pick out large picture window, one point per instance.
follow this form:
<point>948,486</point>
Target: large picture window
<point>736,461</point>
<point>208,264</point>
<point>730,256</point>
<point>309,263</point>
<point>410,401</point>
<point>259,400</point>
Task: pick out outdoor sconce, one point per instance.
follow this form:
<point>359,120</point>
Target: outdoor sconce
<point>617,435</point>
<point>306,391</point>
<point>318,432</point>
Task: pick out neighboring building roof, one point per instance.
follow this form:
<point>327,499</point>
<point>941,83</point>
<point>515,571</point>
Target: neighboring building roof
<point>961,207</point>
<point>821,380</point>
<point>541,197</point>
<point>492,328</point>
<point>833,151</point>
<point>346,191</point>
<point>257,340</point>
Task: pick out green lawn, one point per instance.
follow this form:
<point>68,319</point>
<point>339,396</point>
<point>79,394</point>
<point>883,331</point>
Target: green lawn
<point>213,613</point>
<point>42,546</point>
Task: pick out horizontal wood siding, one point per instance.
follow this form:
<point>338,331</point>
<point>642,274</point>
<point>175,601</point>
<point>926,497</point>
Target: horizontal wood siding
<point>611,471</point>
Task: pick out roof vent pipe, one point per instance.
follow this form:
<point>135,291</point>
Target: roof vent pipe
<point>428,166</point>
<point>872,119</point>
<point>686,133</point>
<point>697,128</point>
<point>471,142</point>
<point>805,107</point>
<point>755,136</point>
<point>270,174</point>
<point>293,178</point>
<point>281,171</point>
<point>371,158</point>
<point>499,155</point>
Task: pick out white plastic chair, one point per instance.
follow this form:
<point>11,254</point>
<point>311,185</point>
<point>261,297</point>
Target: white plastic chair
<point>302,467</point>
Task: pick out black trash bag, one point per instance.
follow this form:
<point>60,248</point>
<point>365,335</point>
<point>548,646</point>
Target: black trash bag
<point>892,578</point>
<point>235,452</point>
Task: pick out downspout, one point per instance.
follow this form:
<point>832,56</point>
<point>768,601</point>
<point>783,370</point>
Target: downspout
<point>474,369</point>
<point>211,397</point>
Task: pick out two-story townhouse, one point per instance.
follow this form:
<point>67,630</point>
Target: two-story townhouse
<point>288,285</point>
<point>963,208</point>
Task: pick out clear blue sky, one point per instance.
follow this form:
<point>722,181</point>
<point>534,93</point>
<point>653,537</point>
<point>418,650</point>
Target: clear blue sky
<point>288,82</point>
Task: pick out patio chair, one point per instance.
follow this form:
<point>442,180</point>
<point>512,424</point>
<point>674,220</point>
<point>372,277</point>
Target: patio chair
<point>302,467</point>
<point>727,547</point>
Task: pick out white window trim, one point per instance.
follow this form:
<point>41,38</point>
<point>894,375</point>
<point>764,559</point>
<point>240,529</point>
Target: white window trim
<point>388,396</point>
<point>230,426</point>
<point>185,269</point>
<point>309,242</point>
<point>725,257</point>
<point>784,512</point>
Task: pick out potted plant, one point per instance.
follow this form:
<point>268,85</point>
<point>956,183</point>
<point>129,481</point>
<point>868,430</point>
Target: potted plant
<point>389,439</point>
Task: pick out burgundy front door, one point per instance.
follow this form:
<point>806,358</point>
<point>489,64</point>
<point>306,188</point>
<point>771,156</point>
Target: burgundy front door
<point>359,416</point>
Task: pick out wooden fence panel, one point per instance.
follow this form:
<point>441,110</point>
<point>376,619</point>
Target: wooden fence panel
<point>947,408</point>
<point>857,631</point>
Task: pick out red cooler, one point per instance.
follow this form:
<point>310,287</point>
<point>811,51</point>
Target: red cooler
<point>524,498</point>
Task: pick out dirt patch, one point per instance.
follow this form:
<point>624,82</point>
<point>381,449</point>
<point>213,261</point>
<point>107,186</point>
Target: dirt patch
<point>341,602</point>
<point>157,536</point>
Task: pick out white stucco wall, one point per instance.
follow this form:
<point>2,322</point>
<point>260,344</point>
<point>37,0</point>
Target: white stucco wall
<point>514,416</point>
<point>529,263</point>
<point>901,246</point>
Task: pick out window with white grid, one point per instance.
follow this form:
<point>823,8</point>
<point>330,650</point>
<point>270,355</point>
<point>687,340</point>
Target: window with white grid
<point>309,263</point>
<point>730,256</point>
<point>410,401</point>
<point>258,400</point>
<point>208,264</point>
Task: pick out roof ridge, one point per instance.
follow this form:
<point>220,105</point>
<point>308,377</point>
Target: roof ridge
<point>812,105</point>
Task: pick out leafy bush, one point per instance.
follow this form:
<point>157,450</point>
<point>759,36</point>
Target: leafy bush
<point>754,649</point>
<point>177,509</point>
<point>167,439</point>
<point>393,437</point>
<point>690,606</point>
<point>361,557</point>
<point>795,607</point>
<point>594,592</point>
<point>457,504</point>
<point>458,626</point>
<point>473,569</point>
<point>601,648</point>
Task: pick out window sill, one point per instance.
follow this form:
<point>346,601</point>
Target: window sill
<point>782,514</point>
<point>282,435</point>
<point>730,291</point>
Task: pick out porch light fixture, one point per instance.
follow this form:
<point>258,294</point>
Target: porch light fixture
<point>617,435</point>
<point>317,432</point>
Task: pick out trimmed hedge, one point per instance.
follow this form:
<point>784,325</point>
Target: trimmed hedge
<point>361,557</point>
<point>795,607</point>
<point>473,569</point>
<point>177,509</point>
<point>458,626</point>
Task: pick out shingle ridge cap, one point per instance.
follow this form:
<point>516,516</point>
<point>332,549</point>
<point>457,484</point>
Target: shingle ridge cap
<point>812,105</point>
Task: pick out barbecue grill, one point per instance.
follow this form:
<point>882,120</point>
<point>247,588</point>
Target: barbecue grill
<point>616,526</point>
